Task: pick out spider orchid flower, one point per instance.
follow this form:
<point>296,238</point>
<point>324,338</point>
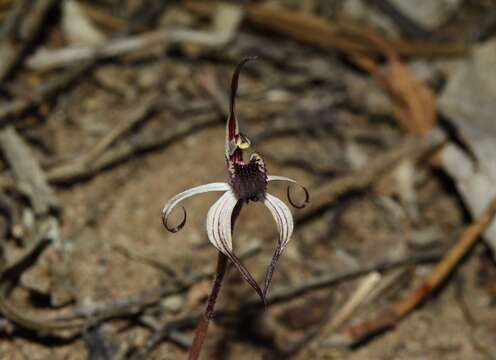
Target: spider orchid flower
<point>247,181</point>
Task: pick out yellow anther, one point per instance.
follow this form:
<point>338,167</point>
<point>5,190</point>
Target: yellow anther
<point>243,145</point>
<point>242,142</point>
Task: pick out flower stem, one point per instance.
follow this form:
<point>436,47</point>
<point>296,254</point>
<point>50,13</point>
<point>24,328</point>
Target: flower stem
<point>202,327</point>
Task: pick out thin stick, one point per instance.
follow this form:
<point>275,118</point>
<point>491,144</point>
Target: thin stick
<point>288,293</point>
<point>355,300</point>
<point>123,307</point>
<point>134,117</point>
<point>438,275</point>
<point>410,147</point>
<point>12,110</point>
<point>312,339</point>
<point>139,143</point>
<point>448,263</point>
<point>201,330</point>
<point>225,25</point>
<point>319,32</point>
<point>32,22</point>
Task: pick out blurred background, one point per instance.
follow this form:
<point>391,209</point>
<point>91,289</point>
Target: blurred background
<point>383,109</point>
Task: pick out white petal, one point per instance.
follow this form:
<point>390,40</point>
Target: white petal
<point>284,221</point>
<point>226,218</point>
<point>220,235</point>
<point>169,206</point>
<point>280,178</point>
<point>283,217</point>
<point>220,210</point>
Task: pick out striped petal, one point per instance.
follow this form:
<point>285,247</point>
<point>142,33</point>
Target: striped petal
<point>221,209</point>
<point>284,220</point>
<point>294,204</point>
<point>227,229</point>
<point>219,231</point>
<point>171,204</point>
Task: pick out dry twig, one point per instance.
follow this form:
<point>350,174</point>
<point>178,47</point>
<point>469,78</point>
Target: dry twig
<point>438,275</point>
<point>13,49</point>
<point>278,295</point>
<point>26,169</point>
<point>289,293</point>
<point>357,298</point>
<point>408,148</point>
<point>142,142</point>
<point>136,116</point>
<point>11,111</point>
<point>225,23</point>
<point>320,32</point>
<point>415,102</point>
<point>29,174</point>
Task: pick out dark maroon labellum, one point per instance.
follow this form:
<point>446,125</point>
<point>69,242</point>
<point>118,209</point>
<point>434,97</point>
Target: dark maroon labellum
<point>249,180</point>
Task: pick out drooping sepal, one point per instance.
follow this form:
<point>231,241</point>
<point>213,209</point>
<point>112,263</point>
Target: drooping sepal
<point>285,225</point>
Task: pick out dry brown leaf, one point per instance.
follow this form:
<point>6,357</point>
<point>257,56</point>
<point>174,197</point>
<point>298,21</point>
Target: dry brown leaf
<point>416,103</point>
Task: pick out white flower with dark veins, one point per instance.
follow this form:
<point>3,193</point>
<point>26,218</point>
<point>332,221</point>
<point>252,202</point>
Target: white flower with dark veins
<point>247,181</point>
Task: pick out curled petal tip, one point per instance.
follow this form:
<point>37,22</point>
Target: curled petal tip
<point>176,228</point>
<point>174,201</point>
<point>304,203</point>
<point>290,199</point>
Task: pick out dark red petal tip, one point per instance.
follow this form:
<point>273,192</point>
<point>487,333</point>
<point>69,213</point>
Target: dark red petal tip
<point>304,203</point>
<point>177,227</point>
<point>271,269</point>
<point>245,274</point>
